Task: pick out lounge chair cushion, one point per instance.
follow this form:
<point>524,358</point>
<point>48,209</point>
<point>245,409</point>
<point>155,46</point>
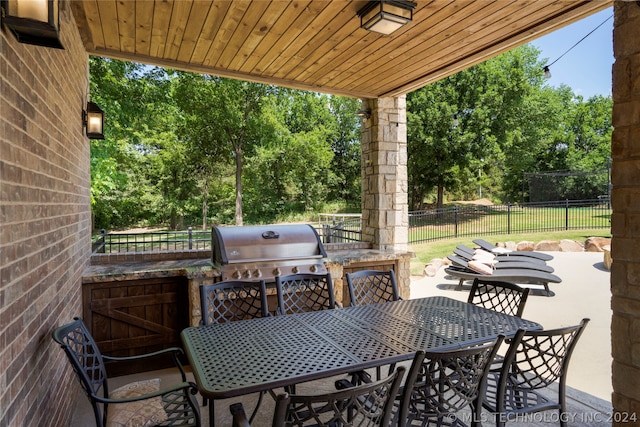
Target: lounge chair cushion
<point>142,413</point>
<point>480,267</point>
<point>484,257</point>
<point>498,250</point>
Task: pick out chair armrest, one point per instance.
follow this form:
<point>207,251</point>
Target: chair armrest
<point>173,351</point>
<point>239,416</point>
<point>188,387</point>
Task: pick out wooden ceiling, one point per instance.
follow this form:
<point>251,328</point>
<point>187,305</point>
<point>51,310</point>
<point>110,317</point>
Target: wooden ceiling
<point>318,45</point>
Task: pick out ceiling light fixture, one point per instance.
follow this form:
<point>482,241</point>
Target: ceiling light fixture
<point>386,16</point>
<point>34,22</point>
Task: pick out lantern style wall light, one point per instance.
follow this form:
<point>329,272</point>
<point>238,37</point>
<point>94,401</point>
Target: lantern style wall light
<point>364,113</point>
<point>93,120</point>
<point>386,16</point>
<point>33,21</point>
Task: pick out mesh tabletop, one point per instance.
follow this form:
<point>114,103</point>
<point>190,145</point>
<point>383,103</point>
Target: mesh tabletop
<point>236,358</point>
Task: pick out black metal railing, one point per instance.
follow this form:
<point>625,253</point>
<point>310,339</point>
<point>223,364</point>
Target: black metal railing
<point>460,221</point>
<point>341,232</point>
<point>157,241</point>
<point>424,226</point>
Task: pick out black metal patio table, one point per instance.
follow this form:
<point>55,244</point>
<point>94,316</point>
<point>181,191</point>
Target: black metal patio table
<point>238,358</point>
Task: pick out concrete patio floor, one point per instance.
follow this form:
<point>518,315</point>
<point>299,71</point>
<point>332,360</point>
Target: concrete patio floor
<point>584,292</point>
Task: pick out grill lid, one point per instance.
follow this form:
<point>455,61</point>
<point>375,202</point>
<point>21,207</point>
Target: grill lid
<point>260,243</point>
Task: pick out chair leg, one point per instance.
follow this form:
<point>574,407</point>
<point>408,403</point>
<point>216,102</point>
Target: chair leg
<point>212,414</point>
<point>562,399</point>
<point>255,410</point>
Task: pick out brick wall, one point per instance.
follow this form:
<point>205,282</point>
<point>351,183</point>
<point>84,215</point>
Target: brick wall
<point>625,198</point>
<point>44,222</point>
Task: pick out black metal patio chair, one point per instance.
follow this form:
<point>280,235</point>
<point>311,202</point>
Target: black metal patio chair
<point>534,360</point>
<point>441,384</point>
<point>298,293</point>
<point>138,403</point>
<point>504,297</point>
<point>366,405</point>
<point>371,287</point>
<point>231,301</point>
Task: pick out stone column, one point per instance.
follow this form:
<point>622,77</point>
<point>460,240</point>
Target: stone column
<point>625,223</point>
<point>384,174</point>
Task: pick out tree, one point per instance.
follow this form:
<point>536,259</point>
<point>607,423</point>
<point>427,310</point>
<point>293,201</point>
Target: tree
<point>290,170</point>
<point>205,145</point>
<point>222,122</point>
<point>508,123</point>
<point>344,138</point>
<point>133,98</point>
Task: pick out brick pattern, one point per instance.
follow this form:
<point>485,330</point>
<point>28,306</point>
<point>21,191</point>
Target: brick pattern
<point>44,222</point>
<point>384,175</point>
<point>625,198</point>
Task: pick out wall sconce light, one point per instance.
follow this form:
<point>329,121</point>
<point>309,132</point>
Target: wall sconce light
<point>364,113</point>
<point>34,22</point>
<point>386,16</point>
<point>93,121</point>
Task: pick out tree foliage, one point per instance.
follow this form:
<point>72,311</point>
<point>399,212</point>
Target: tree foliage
<point>485,127</point>
<point>185,149</point>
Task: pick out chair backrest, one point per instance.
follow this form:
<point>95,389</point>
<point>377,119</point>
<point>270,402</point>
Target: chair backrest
<point>86,360</point>
<point>233,300</point>
<point>299,293</point>
<point>505,297</point>
<point>372,287</point>
<point>535,359</point>
<point>442,383</point>
<point>369,404</point>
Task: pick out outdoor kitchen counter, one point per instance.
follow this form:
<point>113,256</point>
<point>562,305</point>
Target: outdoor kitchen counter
<point>194,272</point>
<point>115,270</point>
<point>99,273</point>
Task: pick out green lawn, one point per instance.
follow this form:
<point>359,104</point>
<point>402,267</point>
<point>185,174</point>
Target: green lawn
<point>425,252</point>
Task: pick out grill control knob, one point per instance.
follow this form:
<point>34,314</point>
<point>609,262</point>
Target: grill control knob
<point>277,272</point>
<point>247,274</point>
<point>313,268</point>
<point>295,270</point>
<point>257,273</point>
<point>236,275</point>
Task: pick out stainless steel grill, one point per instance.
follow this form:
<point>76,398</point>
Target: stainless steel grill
<point>266,251</point>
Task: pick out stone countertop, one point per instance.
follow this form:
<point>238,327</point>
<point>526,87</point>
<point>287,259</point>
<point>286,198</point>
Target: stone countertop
<point>147,270</point>
<point>204,267</point>
<point>350,256</point>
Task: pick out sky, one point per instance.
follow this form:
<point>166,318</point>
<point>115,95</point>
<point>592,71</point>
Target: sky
<point>585,68</point>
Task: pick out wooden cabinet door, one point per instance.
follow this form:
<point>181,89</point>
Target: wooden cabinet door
<point>134,317</point>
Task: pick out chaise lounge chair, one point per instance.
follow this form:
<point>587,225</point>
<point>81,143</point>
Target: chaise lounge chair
<point>460,261</point>
<point>468,253</point>
<point>498,250</point>
<point>516,275</point>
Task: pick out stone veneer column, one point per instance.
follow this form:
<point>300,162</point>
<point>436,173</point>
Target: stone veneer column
<point>625,224</point>
<point>384,174</point>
